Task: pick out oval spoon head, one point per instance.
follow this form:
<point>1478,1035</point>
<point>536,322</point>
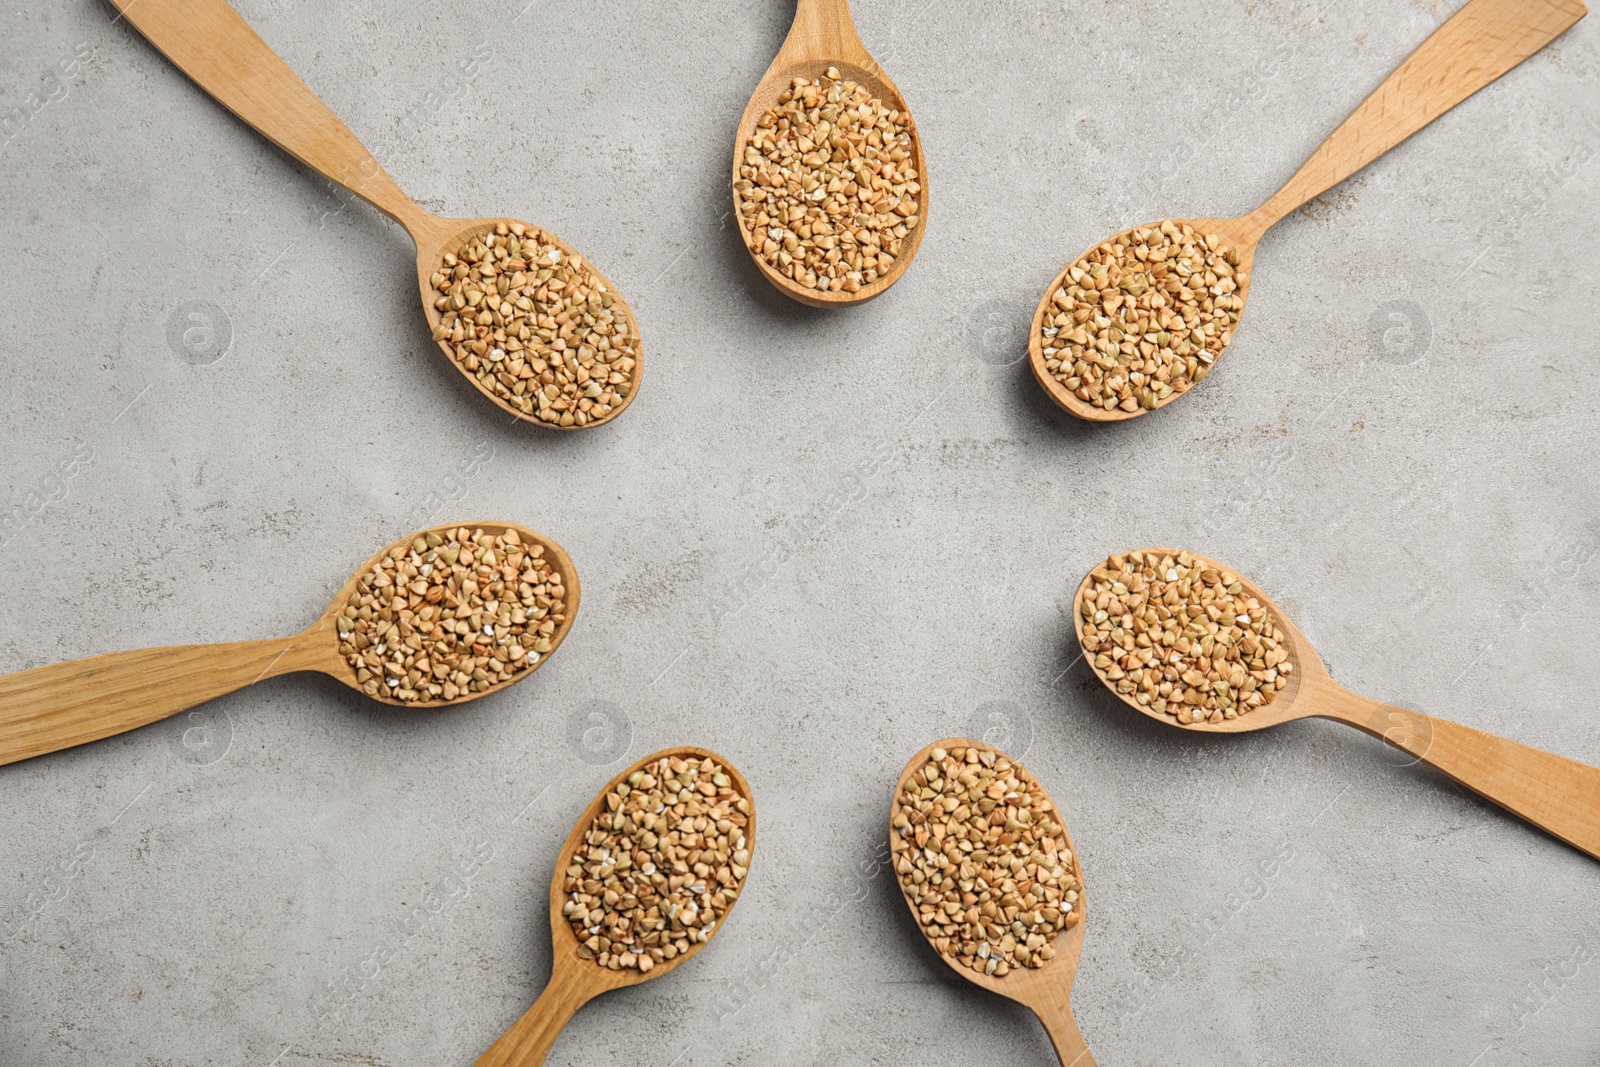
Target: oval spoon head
<point>1295,700</point>
<point>1233,233</point>
<point>804,57</point>
<point>1043,989</point>
<point>569,963</point>
<point>441,236</point>
<point>326,627</point>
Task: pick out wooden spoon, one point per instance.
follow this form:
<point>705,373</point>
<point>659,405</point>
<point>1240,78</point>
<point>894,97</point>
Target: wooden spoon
<point>212,44</point>
<point>1046,990</point>
<point>823,36</point>
<point>1475,46</point>
<point>1559,795</point>
<point>574,981</point>
<point>50,708</point>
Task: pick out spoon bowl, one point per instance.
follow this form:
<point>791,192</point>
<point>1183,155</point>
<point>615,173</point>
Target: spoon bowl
<point>47,709</point>
<point>1559,795</point>
<point>214,46</point>
<point>1475,46</point>
<point>1233,233</point>
<point>1044,990</point>
<point>1296,700</point>
<point>574,981</point>
<point>822,36</point>
<point>325,631</point>
<point>435,237</point>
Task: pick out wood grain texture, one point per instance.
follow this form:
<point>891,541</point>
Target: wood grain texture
<point>1047,990</point>
<point>210,42</point>
<point>65,704</point>
<point>47,709</point>
<point>530,1038</point>
<point>1475,46</point>
<point>1556,794</point>
<point>822,36</point>
<point>214,46</point>
<point>574,981</point>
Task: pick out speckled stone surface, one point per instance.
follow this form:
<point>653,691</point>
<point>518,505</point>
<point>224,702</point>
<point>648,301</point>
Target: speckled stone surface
<point>816,543</point>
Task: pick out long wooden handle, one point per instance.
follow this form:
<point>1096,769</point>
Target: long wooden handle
<point>211,43</point>
<point>65,704</point>
<point>1559,795</point>
<point>528,1041</point>
<point>823,29</point>
<point>1475,46</point>
<point>1071,1049</point>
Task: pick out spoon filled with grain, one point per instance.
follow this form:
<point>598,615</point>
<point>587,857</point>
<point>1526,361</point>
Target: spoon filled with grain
<point>647,875</point>
<point>992,880</point>
<point>441,617</point>
<point>528,321</point>
<point>1139,319</point>
<point>828,178</point>
<point>1193,644</point>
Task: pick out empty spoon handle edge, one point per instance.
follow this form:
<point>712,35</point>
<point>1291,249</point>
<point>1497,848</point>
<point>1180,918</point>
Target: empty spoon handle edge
<point>1474,47</point>
<point>210,42</point>
<point>47,709</point>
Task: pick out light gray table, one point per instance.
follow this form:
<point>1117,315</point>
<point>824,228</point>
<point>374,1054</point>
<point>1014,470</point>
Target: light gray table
<point>1399,446</point>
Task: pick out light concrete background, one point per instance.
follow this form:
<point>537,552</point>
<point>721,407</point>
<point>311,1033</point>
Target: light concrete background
<point>1399,446</point>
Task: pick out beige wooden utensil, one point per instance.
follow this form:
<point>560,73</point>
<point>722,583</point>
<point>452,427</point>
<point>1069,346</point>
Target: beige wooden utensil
<point>574,981</point>
<point>213,45</point>
<point>824,36</point>
<point>1046,990</point>
<point>50,708</point>
<point>1475,46</point>
<point>1559,795</point>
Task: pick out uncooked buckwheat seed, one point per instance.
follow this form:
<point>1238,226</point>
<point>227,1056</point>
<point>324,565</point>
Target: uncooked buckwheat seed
<point>536,327</point>
<point>451,614</point>
<point>979,850</point>
<point>1181,638</point>
<point>660,865</point>
<point>828,185</point>
<point>1143,316</point>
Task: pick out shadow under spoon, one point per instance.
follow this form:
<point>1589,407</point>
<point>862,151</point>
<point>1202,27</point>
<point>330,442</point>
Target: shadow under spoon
<point>214,46</point>
<point>47,709</point>
<point>1559,795</point>
<point>1475,46</point>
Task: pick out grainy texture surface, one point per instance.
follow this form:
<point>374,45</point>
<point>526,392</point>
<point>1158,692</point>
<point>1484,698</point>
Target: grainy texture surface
<point>817,542</point>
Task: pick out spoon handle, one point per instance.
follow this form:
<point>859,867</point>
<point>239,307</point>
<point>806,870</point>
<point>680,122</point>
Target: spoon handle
<point>528,1041</point>
<point>212,44</point>
<point>1559,795</point>
<point>1071,1049</point>
<point>50,708</point>
<point>823,29</point>
<point>1475,46</point>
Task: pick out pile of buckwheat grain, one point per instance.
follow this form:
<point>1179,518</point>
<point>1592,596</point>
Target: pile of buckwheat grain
<point>1182,638</point>
<point>447,615</point>
<point>661,864</point>
<point>1142,317</point>
<point>981,853</point>
<point>536,327</point>
<point>828,185</point>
